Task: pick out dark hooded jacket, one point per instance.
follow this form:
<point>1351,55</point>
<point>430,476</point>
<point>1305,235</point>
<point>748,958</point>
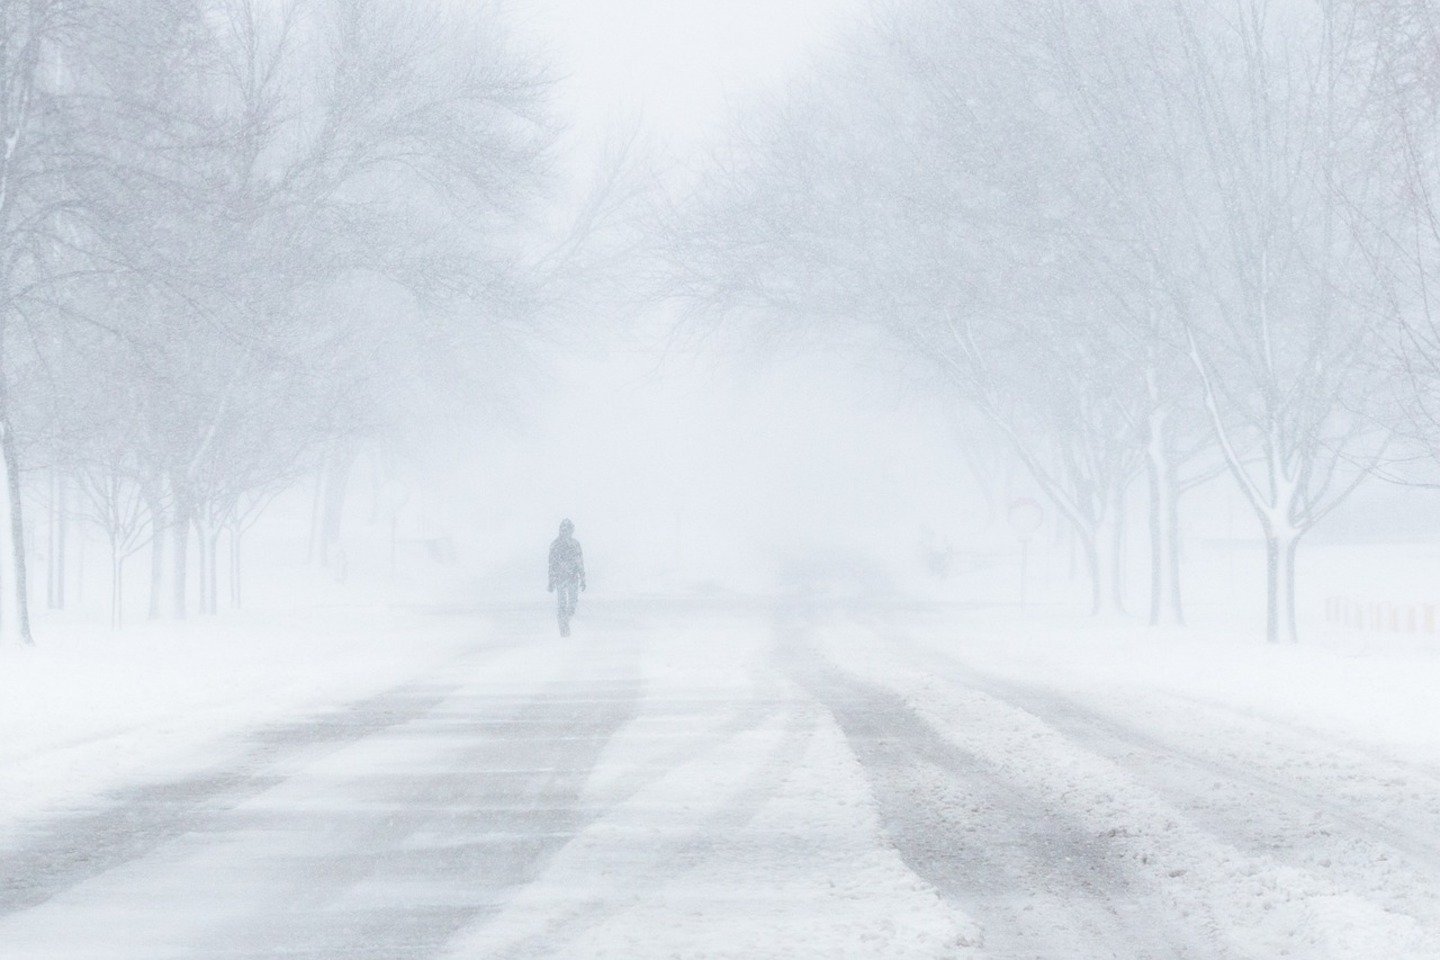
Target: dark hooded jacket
<point>567,561</point>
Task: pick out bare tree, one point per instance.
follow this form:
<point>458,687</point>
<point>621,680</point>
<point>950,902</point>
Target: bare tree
<point>36,157</point>
<point>116,504</point>
<point>1402,231</point>
<point>267,221</point>
<point>1111,226</point>
<point>1267,109</point>
<point>900,194</point>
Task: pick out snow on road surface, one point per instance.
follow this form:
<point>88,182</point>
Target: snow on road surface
<point>91,708</point>
<point>789,782</point>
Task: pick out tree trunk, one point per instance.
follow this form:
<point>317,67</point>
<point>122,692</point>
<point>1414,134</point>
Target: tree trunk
<point>1072,565</point>
<point>1272,588</point>
<point>1158,558</point>
<point>235,596</point>
<point>180,536</point>
<point>1177,605</point>
<point>205,561</point>
<point>212,565</point>
<point>80,567</point>
<point>1160,480</point>
<point>1117,551</point>
<point>1288,621</point>
<point>1281,625</point>
<point>62,543</point>
<point>202,569</point>
<point>1164,520</point>
<point>207,547</point>
<point>158,521</point>
<point>117,582</point>
<point>19,606</point>
<point>1095,568</point>
<point>58,521</point>
<point>51,510</point>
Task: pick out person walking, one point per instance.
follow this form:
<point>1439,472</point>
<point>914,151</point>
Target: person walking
<point>567,574</point>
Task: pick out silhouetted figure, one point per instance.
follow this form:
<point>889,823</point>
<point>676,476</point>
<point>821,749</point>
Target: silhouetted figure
<point>567,574</point>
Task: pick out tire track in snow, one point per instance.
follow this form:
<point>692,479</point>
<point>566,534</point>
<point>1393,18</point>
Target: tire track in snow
<point>1042,885</point>
<point>1386,859</point>
<point>476,786</point>
<point>45,856</point>
<point>675,857</point>
<point>669,860</point>
<point>437,852</point>
<point>1116,739</point>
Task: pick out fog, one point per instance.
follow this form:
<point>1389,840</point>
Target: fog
<point>725,479</point>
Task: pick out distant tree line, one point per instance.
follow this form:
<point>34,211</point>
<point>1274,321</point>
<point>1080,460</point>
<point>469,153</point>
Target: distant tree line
<point>1139,242</point>
<point>237,239</point>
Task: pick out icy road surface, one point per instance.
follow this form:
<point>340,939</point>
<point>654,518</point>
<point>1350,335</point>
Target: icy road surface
<point>746,783</point>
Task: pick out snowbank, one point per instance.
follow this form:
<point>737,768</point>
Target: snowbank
<point>1376,691</point>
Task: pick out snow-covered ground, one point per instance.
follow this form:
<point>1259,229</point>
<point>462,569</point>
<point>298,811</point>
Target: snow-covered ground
<point>1256,801</point>
<point>691,780</point>
<point>90,709</point>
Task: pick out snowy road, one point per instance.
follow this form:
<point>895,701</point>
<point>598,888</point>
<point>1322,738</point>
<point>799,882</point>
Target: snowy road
<point>761,783</point>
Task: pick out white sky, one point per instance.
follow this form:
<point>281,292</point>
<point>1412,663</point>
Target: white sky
<point>676,64</point>
<point>694,465</point>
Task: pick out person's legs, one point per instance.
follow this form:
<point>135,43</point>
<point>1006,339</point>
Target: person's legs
<point>564,606</point>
